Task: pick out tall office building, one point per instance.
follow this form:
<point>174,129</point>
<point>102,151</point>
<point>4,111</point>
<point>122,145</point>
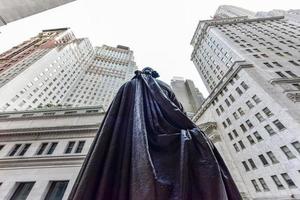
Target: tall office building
<point>189,96</point>
<point>56,68</point>
<point>17,9</point>
<point>108,69</point>
<point>226,11</point>
<point>250,66</point>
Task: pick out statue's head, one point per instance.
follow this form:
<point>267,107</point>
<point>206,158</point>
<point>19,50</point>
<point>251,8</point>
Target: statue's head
<point>150,71</point>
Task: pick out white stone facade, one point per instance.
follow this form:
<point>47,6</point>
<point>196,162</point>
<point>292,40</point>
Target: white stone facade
<point>62,127</point>
<point>64,71</point>
<point>187,94</point>
<point>251,69</point>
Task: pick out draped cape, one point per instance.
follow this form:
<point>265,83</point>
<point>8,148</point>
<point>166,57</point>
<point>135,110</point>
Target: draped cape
<point>148,149</point>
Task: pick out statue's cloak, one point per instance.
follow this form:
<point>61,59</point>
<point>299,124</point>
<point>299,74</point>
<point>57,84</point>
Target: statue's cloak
<point>148,149</point>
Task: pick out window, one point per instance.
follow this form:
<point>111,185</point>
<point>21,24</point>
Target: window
<point>24,149</point>
<point>277,64</point>
<point>224,124</point>
<point>52,147</point>
<point>267,112</point>
<point>231,98</point>
<point>281,74</point>
<point>236,147</point>
<point>288,180</point>
<point>250,125</point>
<point>218,112</point>
<point>244,85</point>
<point>249,104</point>
<point>272,157</point>
<point>79,146</point>
<point>227,102</point>
<point>239,91</point>
<point>259,117</point>
<point>250,139</point>
<point>70,147</point>
<point>263,184</point>
<point>294,63</point>
<point>287,152</point>
<point>42,148</point>
<point>240,110</point>
<point>243,127</point>
<point>296,145</point>
<point>268,65</point>
<point>235,115</point>
<point>242,144</point>
<point>22,191</point>
<point>291,74</point>
<point>256,99</point>
<point>263,159</point>
<point>56,190</point>
<point>277,182</point>
<point>221,108</point>
<point>257,136</point>
<point>252,164</point>
<point>270,130</point>
<point>1,146</point>
<point>279,125</point>
<point>14,150</point>
<point>230,136</point>
<point>245,166</point>
<point>228,121</point>
<point>255,185</point>
<point>235,133</point>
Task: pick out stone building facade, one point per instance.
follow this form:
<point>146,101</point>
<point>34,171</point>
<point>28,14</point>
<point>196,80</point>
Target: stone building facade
<point>189,96</point>
<point>41,151</point>
<point>56,68</point>
<point>250,67</point>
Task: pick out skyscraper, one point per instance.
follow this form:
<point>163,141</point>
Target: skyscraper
<point>188,95</point>
<point>13,10</point>
<point>250,66</point>
<point>56,68</point>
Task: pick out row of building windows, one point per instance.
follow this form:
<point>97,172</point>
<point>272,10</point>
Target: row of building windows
<point>55,190</point>
<point>290,183</point>
<point>285,149</point>
<point>46,148</point>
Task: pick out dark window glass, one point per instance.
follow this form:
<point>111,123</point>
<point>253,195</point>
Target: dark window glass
<point>263,184</point>
<point>277,182</point>
<point>257,136</point>
<point>296,145</point>
<point>272,157</point>
<point>263,160</point>
<point>80,147</point>
<point>255,185</point>
<point>70,147</point>
<point>245,166</point>
<point>287,152</point>
<point>288,180</point>
<point>42,148</point>
<point>14,150</point>
<point>56,190</point>
<point>24,150</point>
<point>22,191</point>
<point>279,125</point>
<point>52,147</point>
<point>252,163</point>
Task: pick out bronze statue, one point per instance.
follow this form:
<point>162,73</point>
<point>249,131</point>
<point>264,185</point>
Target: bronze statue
<point>148,149</point>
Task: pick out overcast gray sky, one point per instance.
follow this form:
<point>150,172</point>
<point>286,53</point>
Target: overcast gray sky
<point>158,31</point>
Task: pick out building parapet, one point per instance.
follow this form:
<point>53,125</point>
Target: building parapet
<point>197,38</point>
